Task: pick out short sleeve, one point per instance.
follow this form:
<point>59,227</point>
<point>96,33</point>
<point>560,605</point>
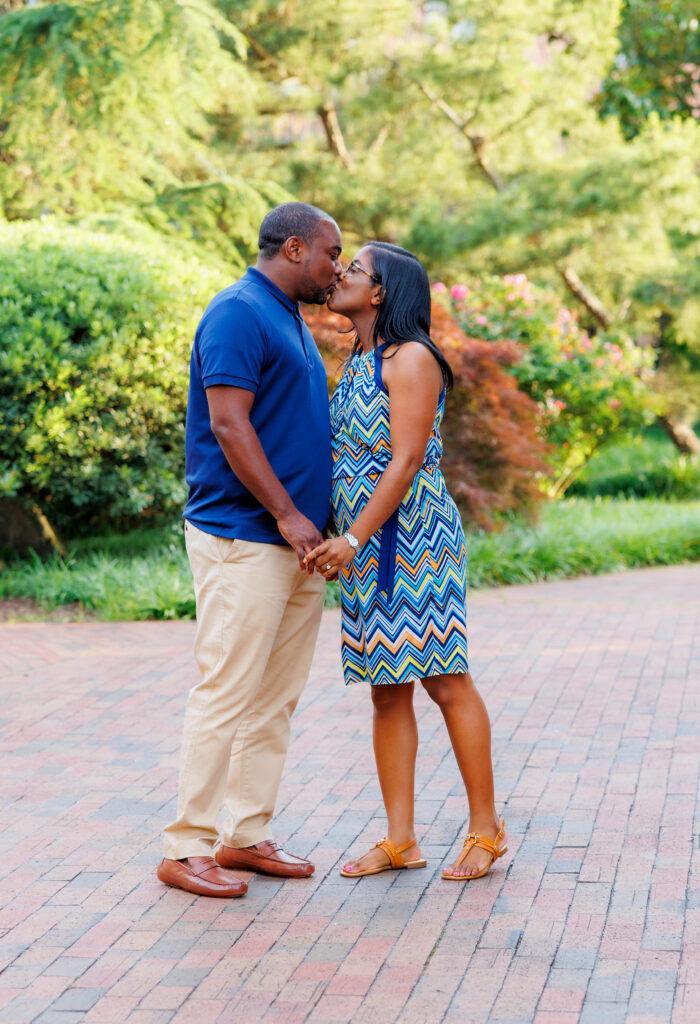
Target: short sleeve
<point>231,346</point>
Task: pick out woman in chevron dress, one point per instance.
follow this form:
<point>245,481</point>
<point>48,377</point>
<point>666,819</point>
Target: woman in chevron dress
<point>400,554</point>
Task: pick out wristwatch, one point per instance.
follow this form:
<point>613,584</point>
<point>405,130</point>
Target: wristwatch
<point>352,541</point>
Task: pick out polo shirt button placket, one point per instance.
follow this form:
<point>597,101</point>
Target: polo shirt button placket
<point>300,323</point>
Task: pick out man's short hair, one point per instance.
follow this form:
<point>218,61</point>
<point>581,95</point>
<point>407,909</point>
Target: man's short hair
<point>287,220</point>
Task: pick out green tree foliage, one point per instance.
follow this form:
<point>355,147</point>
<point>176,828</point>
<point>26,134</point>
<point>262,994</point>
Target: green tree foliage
<point>657,67</point>
<point>470,132</point>
<point>93,372</point>
<point>327,103</point>
<point>104,104</point>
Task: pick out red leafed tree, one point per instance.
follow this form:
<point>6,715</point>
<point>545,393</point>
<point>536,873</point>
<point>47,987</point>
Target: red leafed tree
<point>494,454</point>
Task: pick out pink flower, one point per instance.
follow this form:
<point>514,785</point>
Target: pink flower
<point>459,292</point>
<point>558,404</point>
<point>586,342</point>
<point>614,403</point>
<point>481,320</point>
<point>440,287</point>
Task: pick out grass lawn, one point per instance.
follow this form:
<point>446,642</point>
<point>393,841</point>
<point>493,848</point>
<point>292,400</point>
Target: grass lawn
<point>145,575</point>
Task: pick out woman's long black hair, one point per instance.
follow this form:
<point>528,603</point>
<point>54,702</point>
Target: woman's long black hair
<point>404,311</point>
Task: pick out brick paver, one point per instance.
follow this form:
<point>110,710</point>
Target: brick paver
<point>593,916</point>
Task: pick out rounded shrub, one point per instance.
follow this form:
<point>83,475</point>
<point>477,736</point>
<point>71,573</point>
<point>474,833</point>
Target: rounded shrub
<point>96,332</point>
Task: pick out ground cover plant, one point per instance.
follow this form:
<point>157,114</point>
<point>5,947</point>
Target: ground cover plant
<point>145,574</point>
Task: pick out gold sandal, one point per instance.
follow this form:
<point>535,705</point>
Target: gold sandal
<point>395,859</point>
<point>490,845</point>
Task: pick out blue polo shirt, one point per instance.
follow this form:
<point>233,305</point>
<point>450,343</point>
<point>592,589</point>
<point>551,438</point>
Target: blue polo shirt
<point>252,336</point>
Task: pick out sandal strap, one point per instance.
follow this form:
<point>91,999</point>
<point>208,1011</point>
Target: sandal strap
<point>475,839</point>
<point>394,852</point>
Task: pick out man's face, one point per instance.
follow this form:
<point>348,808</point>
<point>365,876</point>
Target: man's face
<point>320,266</point>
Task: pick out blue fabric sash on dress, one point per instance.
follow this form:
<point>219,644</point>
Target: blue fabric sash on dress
<point>387,545</point>
<point>387,555</point>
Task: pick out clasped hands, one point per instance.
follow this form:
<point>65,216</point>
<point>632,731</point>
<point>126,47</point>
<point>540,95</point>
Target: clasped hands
<point>330,557</point>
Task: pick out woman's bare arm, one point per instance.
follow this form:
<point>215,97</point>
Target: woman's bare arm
<point>413,380</point>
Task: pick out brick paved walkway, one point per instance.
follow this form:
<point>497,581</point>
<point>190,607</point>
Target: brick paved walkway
<point>594,915</point>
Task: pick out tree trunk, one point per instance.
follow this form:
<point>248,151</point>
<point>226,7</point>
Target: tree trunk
<point>585,296</point>
<point>24,529</point>
<point>682,435</point>
<point>334,134</point>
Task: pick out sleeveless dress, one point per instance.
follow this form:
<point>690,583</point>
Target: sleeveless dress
<point>403,596</point>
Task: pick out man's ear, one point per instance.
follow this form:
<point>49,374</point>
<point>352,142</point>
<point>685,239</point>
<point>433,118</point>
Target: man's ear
<point>293,249</point>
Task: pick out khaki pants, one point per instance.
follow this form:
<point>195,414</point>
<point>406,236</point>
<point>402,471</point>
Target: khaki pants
<point>257,622</point>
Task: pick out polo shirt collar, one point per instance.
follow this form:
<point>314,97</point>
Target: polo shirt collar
<point>272,288</point>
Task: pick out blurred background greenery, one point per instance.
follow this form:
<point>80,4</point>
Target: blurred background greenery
<point>541,157</point>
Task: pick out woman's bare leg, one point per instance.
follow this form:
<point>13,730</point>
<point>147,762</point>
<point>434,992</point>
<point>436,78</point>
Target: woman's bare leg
<point>470,733</point>
<point>395,735</point>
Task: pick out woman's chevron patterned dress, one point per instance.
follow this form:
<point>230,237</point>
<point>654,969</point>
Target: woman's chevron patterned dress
<point>404,594</point>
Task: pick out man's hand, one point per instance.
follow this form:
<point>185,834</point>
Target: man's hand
<point>301,533</point>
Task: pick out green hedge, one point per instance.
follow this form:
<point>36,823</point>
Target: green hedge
<point>96,333</point>
<point>647,466</point>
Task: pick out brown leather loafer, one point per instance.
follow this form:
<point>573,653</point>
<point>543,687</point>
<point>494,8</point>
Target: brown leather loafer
<point>202,876</point>
<point>266,858</point>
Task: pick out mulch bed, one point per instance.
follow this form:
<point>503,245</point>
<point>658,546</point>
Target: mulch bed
<point>25,609</point>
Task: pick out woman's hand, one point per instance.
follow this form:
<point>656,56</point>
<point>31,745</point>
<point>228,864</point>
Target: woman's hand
<point>331,556</point>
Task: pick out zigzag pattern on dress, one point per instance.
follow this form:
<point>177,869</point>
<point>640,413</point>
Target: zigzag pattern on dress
<point>422,630</point>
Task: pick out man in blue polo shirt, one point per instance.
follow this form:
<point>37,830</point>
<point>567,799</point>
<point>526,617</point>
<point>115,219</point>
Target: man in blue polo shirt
<point>258,465</point>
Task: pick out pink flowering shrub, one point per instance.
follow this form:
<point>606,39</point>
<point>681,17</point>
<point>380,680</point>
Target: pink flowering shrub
<point>589,388</point>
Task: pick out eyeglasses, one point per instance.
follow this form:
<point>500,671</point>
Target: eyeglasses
<point>353,267</point>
